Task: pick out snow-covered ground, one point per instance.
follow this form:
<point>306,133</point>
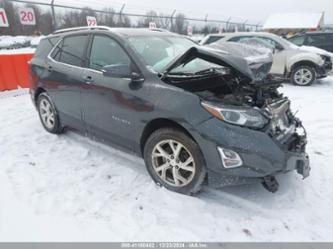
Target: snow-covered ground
<point>69,188</point>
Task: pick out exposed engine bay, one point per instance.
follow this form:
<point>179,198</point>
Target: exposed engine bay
<point>225,86</point>
<point>231,82</point>
<point>215,75</point>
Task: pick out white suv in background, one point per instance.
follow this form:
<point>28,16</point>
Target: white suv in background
<point>301,66</point>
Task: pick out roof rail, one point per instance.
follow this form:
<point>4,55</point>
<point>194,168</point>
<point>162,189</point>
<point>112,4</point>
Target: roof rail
<point>158,29</point>
<point>81,28</point>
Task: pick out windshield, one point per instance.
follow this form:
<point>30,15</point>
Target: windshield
<point>158,51</point>
<point>284,42</point>
<point>196,66</point>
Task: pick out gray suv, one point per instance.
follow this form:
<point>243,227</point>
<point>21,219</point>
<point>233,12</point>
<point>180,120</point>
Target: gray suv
<point>197,116</point>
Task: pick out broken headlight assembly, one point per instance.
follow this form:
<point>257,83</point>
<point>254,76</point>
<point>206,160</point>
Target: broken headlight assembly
<point>242,116</point>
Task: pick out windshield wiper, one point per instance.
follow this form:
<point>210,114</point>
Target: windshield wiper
<point>181,74</point>
<point>212,70</point>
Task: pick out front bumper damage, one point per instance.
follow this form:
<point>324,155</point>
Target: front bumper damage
<point>297,159</point>
<point>325,69</point>
<point>265,153</point>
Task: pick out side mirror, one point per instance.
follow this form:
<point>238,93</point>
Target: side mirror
<point>278,48</point>
<point>122,71</point>
<point>137,78</point>
<point>117,71</point>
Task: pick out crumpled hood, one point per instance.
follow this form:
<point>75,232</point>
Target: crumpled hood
<point>219,57</point>
<point>259,59</point>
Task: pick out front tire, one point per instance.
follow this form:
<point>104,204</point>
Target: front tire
<point>48,114</point>
<point>303,75</point>
<point>175,161</point>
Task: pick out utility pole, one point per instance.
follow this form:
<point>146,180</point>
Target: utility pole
<point>54,22</point>
<point>227,24</point>
<point>121,14</point>
<point>257,26</point>
<point>171,18</point>
<point>244,25</point>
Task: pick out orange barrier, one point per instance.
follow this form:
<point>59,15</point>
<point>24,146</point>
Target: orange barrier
<point>14,71</point>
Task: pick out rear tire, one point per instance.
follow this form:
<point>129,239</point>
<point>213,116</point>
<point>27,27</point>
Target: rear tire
<point>175,161</point>
<point>303,76</point>
<point>48,114</point>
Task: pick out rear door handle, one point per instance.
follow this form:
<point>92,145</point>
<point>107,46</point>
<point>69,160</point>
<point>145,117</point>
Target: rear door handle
<point>50,69</point>
<point>88,79</point>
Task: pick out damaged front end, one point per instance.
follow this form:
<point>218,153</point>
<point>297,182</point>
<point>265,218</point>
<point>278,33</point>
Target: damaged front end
<point>289,133</point>
<point>238,95</point>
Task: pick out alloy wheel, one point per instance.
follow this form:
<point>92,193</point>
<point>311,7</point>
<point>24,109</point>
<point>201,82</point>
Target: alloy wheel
<point>303,76</point>
<point>47,113</point>
<point>173,163</point>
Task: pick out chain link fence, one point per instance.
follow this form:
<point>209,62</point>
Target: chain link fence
<point>50,15</point>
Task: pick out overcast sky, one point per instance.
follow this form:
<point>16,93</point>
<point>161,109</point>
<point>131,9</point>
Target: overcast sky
<point>252,10</point>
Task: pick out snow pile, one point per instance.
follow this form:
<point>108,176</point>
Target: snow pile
<point>69,188</point>
<point>17,42</point>
<point>27,50</point>
<point>251,53</point>
<point>35,41</point>
<point>15,93</point>
<point>258,42</point>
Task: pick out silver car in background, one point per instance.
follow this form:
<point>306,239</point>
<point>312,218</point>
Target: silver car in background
<point>301,66</point>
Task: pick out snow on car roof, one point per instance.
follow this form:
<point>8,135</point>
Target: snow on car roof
<point>294,21</point>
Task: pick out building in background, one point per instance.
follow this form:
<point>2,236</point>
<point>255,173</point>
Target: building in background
<point>291,23</point>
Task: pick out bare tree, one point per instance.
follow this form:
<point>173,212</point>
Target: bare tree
<point>45,25</point>
<point>151,16</point>
<point>164,21</point>
<point>107,19</point>
<point>124,21</point>
<point>76,18</point>
<point>180,24</point>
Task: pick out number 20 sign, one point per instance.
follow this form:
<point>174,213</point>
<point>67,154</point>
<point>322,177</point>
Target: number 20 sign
<point>27,16</point>
<point>3,18</point>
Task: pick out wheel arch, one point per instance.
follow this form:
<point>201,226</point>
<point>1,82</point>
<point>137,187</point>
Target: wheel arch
<point>38,91</point>
<point>307,63</point>
<point>160,123</point>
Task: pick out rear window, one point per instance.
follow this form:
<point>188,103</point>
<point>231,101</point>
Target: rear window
<point>72,50</point>
<point>213,39</point>
<point>317,40</point>
<point>45,46</point>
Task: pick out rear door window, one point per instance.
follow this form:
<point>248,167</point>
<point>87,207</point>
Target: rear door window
<point>72,50</point>
<point>45,46</point>
<point>317,40</point>
<point>105,51</point>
